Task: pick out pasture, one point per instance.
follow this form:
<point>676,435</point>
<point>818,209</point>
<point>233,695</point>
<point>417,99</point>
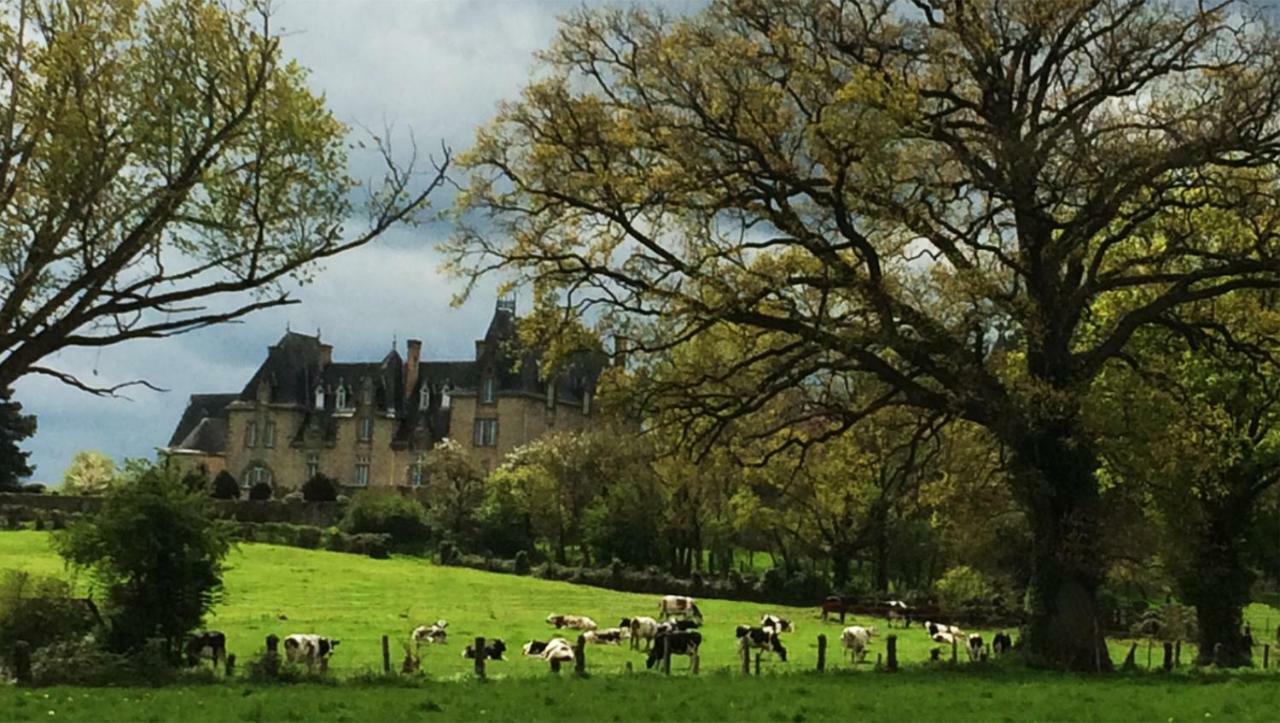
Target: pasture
<point>355,599</point>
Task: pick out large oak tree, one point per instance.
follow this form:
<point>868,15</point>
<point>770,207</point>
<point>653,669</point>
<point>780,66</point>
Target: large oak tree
<point>934,193</point>
<point>163,167</point>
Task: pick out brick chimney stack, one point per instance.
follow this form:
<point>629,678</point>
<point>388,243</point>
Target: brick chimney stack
<point>326,354</point>
<point>411,366</point>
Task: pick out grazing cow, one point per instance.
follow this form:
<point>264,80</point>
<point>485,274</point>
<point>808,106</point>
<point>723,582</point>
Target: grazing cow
<point>835,605</point>
<point>608,636</point>
<point>493,650</point>
<point>933,629</point>
<point>573,622</point>
<point>309,650</point>
<point>642,628</point>
<point>678,606</point>
<point>855,640</point>
<point>764,639</point>
<point>1001,643</point>
<point>209,644</point>
<point>429,634</point>
<point>899,612</point>
<point>974,646</point>
<point>678,643</point>
<point>777,624</point>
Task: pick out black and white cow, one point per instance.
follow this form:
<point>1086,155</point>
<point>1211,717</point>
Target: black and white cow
<point>310,650</point>
<point>933,629</point>
<point>764,639</point>
<point>535,648</point>
<point>573,622</point>
<point>678,606</point>
<point>642,628</point>
<point>608,636</point>
<point>1001,643</point>
<point>209,644</point>
<point>974,645</point>
<point>855,640</point>
<point>900,613</point>
<point>557,652</point>
<point>493,650</point>
<point>777,624</point>
<point>429,634</point>
<point>679,643</point>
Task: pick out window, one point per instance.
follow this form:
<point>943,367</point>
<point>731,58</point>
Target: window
<point>313,465</point>
<point>269,434</point>
<point>366,394</point>
<point>257,474</point>
<point>366,429</point>
<point>342,397</point>
<point>320,397</point>
<point>486,433</point>
<point>362,471</point>
<point>251,434</point>
<point>444,398</point>
<point>487,391</point>
<point>424,396</point>
<point>415,474</point>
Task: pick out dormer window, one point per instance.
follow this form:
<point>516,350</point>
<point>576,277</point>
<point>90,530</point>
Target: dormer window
<point>341,397</point>
<point>487,390</point>
<point>320,396</point>
<point>424,396</point>
<point>444,398</point>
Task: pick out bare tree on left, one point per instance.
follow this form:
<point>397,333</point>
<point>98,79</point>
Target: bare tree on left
<point>163,168</point>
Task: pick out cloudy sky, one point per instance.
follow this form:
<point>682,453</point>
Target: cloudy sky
<point>438,67</point>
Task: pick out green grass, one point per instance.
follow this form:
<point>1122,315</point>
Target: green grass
<point>918,696</point>
<point>285,590</point>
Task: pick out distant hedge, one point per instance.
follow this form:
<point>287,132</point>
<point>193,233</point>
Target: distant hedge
<point>314,538</point>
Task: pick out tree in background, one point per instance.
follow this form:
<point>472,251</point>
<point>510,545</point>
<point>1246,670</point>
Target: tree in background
<point>156,551</point>
<point>14,428</point>
<point>163,168</point>
<point>936,195</point>
<point>91,473</point>
<point>454,489</point>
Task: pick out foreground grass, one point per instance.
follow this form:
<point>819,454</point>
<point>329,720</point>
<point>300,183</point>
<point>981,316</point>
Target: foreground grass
<point>935,695</point>
<point>285,590</point>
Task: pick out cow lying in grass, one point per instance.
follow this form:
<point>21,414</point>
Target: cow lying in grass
<point>493,650</point>
<point>431,634</point>
<point>573,622</point>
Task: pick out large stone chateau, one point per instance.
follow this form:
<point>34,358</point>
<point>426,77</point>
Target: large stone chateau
<point>369,423</point>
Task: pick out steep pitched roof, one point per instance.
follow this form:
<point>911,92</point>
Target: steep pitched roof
<point>201,407</point>
<point>291,368</point>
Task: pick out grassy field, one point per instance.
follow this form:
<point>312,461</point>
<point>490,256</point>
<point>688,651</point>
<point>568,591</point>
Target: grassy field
<point>933,696</point>
<point>285,590</point>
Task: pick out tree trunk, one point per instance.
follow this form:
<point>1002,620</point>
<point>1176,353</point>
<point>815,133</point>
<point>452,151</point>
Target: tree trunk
<point>1218,586</point>
<point>881,551</point>
<point>1060,492</point>
<point>841,558</point>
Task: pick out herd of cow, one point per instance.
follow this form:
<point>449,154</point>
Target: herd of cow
<point>673,632</point>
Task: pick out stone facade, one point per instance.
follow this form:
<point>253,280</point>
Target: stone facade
<point>368,424</point>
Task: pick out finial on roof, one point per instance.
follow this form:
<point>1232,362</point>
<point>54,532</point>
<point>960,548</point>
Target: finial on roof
<point>317,333</point>
<point>286,326</point>
<point>393,342</point>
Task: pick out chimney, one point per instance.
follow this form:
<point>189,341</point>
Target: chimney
<point>326,354</point>
<point>411,367</point>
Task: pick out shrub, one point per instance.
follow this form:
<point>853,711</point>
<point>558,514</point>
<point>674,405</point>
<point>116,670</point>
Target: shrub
<point>522,563</point>
<point>40,610</point>
<point>157,551</point>
<point>260,491</point>
<point>448,553</point>
<point>225,486</point>
<point>294,498</point>
<point>962,585</point>
<point>320,488</point>
<point>376,512</point>
<point>78,662</point>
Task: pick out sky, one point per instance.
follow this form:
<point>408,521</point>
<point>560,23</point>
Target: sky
<point>437,67</point>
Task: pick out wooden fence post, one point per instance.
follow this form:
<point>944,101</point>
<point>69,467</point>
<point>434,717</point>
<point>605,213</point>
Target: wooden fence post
<point>386,655</point>
<point>746,660</point>
<point>1266,655</point>
<point>1168,656</point>
<point>757,663</point>
<point>822,653</point>
<point>22,661</point>
<point>666,655</point>
<point>273,644</point>
<point>628,668</point>
<point>891,650</point>
<point>693,663</point>
<point>1129,663</point>
<point>230,666</point>
<point>479,651</point>
<point>555,665</point>
<point>580,656</point>
<point>1217,653</point>
<point>955,647</point>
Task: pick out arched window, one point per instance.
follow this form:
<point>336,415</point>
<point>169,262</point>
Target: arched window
<point>257,472</point>
<point>341,397</point>
<point>445,401</point>
<point>319,396</point>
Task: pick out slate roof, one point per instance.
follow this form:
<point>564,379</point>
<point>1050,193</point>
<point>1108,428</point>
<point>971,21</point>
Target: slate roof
<point>203,425</point>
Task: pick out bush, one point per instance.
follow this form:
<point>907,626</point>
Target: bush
<point>387,513</point>
<point>962,586</point>
<point>260,491</point>
<point>40,610</point>
<point>79,662</point>
<point>448,553</point>
<point>320,488</point>
<point>225,486</point>
<point>522,563</point>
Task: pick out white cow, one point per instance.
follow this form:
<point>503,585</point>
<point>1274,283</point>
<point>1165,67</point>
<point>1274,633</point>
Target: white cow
<point>573,622</point>
<point>558,649</point>
<point>932,629</point>
<point>309,650</point>
<point>855,640</point>
<point>642,628</point>
<point>673,606</point>
<point>899,612</point>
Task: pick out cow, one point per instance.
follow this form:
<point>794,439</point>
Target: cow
<point>974,646</point>
<point>678,606</point>
<point>855,640</point>
<point>777,624</point>
<point>642,628</point>
<point>573,622</point>
<point>309,649</point>
<point>558,651</point>
<point>933,629</point>
<point>678,643</point>
<point>835,604</point>
<point>899,612</point>
<point>1001,643</point>
<point>493,650</point>
<point>684,625</point>
<point>764,639</point>
<point>209,644</point>
<point>429,634</point>
<point>535,648</point>
<point>608,636</point>
<point>945,638</point>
